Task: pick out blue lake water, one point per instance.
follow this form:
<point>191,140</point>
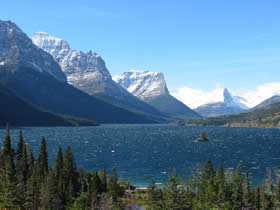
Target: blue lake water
<point>142,153</point>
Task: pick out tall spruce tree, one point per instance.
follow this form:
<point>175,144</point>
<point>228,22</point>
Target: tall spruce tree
<point>206,178</point>
<point>220,186</point>
<point>43,159</point>
<point>58,172</point>
<point>49,198</point>
<point>154,196</point>
<point>8,196</point>
<point>237,189</point>
<point>69,177</point>
<point>113,187</point>
<point>246,193</point>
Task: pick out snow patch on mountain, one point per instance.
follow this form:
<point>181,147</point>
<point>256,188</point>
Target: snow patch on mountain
<point>86,71</point>
<point>17,48</point>
<point>142,84</point>
<point>196,97</point>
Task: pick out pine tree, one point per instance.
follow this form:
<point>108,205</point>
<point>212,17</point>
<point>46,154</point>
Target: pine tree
<point>7,175</point>
<point>22,176</point>
<point>104,180</point>
<point>246,193</point>
<point>69,177</point>
<point>113,186</point>
<point>58,172</point>
<point>49,195</point>
<point>174,197</point>
<point>31,162</point>
<point>95,188</point>
<point>8,185</point>
<point>237,189</point>
<point>220,186</point>
<point>206,179</point>
<point>43,159</point>
<point>154,196</point>
<point>256,199</point>
<point>32,198</point>
<point>20,146</point>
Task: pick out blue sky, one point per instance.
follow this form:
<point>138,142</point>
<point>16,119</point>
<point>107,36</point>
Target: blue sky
<point>199,44</point>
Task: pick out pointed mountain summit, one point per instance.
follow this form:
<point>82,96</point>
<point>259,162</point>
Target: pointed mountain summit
<point>229,105</point>
<point>227,97</point>
<point>16,49</point>
<point>88,72</point>
<point>152,89</point>
<point>33,75</point>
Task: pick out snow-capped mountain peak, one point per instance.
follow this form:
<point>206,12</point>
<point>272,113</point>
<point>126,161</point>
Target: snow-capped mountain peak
<point>86,71</point>
<point>227,96</point>
<point>142,84</point>
<point>17,48</point>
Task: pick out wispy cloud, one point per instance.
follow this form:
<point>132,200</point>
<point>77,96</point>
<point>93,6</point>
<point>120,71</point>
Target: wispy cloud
<point>197,97</point>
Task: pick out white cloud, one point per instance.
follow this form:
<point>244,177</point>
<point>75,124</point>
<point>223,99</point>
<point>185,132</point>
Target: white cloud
<point>261,93</point>
<point>197,97</point>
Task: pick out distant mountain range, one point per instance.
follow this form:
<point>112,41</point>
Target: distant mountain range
<point>151,88</point>
<point>271,100</point>
<point>88,72</point>
<point>34,75</point>
<point>229,105</point>
<point>55,82</point>
<point>264,117</point>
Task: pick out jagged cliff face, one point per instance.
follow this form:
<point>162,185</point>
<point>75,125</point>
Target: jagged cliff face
<point>151,88</point>
<point>86,71</point>
<point>143,84</point>
<point>17,49</point>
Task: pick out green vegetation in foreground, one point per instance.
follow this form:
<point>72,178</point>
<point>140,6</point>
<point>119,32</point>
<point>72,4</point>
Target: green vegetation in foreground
<point>27,182</point>
<point>208,189</point>
<point>264,117</point>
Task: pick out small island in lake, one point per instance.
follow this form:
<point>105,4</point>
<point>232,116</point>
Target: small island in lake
<point>203,137</point>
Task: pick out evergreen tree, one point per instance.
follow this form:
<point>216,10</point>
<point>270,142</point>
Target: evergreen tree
<point>22,176</point>
<point>58,172</point>
<point>8,175</point>
<point>43,159</point>
<point>114,190</point>
<point>237,189</point>
<point>174,194</point>
<point>113,185</point>
<point>256,199</point>
<point>82,202</point>
<point>49,195</point>
<point>154,196</point>
<point>104,180</point>
<point>95,188</point>
<point>207,178</point>
<point>31,162</point>
<point>246,193</point>
<point>20,146</point>
<point>69,177</point>
<point>8,185</point>
<point>32,198</point>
